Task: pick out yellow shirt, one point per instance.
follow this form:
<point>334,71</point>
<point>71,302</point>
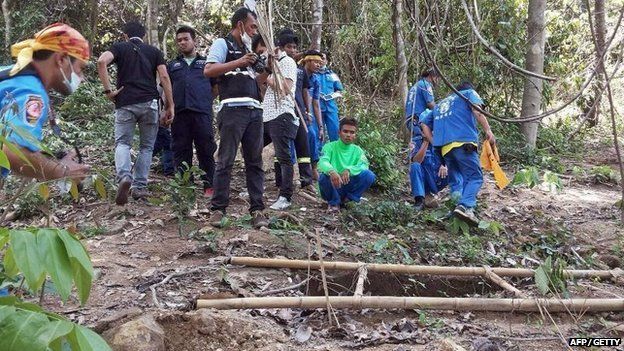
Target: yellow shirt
<point>448,147</point>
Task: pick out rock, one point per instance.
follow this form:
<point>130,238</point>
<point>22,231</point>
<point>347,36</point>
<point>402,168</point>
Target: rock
<point>141,334</point>
<point>449,345</point>
<point>610,260</point>
<point>126,313</point>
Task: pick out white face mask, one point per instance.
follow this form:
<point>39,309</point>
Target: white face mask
<point>246,39</point>
<point>74,81</point>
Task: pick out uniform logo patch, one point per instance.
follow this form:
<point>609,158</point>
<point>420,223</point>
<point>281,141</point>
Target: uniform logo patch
<point>34,109</point>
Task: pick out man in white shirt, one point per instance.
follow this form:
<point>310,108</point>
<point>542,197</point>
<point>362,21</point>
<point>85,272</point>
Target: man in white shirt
<point>280,121</point>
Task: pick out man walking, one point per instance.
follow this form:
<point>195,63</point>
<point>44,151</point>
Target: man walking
<point>240,119</point>
<point>136,103</point>
<point>192,95</point>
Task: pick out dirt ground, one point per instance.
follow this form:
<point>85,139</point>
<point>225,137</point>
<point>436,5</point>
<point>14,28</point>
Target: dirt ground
<point>139,246</point>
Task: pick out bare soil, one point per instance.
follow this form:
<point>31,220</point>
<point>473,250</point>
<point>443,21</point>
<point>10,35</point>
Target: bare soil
<point>140,247</point>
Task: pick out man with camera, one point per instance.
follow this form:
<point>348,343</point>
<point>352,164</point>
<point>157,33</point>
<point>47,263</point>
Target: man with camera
<point>239,120</point>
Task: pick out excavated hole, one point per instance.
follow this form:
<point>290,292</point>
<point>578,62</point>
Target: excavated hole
<point>387,284</point>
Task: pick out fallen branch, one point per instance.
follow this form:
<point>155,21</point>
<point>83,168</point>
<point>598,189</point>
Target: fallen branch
<point>284,289</point>
<point>171,276</point>
<point>412,269</point>
<point>423,303</point>
<point>308,197</point>
<point>503,283</point>
<point>319,250</point>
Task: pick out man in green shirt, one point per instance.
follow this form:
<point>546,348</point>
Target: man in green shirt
<point>344,167</point>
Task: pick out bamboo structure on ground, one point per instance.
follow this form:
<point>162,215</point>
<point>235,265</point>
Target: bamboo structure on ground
<point>414,269</point>
<point>423,303</point>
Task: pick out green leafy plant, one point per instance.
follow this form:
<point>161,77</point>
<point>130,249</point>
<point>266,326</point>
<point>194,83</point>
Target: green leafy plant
<point>528,177</point>
<point>36,254</point>
<point>390,249</point>
<point>550,277</point>
<point>181,193</point>
<point>383,216</point>
<point>604,174</point>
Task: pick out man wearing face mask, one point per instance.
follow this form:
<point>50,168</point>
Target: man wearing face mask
<point>136,103</point>
<point>52,60</point>
<point>239,119</point>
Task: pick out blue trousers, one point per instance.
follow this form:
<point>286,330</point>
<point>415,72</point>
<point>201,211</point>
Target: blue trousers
<point>332,124</point>
<point>353,191</point>
<point>163,144</point>
<point>313,142</point>
<point>465,163</point>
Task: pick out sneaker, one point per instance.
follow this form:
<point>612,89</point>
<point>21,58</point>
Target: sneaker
<point>258,220</point>
<point>281,204</point>
<point>208,193</point>
<point>123,190</point>
<point>216,218</point>
<point>466,214</point>
<point>140,193</point>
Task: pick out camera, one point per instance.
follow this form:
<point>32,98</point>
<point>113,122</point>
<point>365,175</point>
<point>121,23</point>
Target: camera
<point>261,65</point>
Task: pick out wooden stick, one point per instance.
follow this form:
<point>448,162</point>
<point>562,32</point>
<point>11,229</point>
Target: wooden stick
<point>359,287</point>
<point>284,289</point>
<point>503,283</point>
<point>426,303</point>
<point>411,269</point>
<point>319,251</point>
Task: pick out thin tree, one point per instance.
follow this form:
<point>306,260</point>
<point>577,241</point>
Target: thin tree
<point>152,23</point>
<point>532,95</point>
<point>599,32</point>
<point>317,27</point>
<point>6,12</point>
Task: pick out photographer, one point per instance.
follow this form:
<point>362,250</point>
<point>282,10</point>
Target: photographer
<point>239,120</point>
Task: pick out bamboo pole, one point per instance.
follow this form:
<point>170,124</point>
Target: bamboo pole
<point>359,286</point>
<point>413,269</point>
<point>503,283</point>
<point>423,303</point>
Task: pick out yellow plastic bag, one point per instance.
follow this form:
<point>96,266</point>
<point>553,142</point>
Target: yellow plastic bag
<point>489,162</point>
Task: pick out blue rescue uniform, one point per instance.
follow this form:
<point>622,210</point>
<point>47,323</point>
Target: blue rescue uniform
<point>329,84</point>
<point>313,130</point>
<point>419,95</point>
<point>455,133</point>
<point>25,109</point>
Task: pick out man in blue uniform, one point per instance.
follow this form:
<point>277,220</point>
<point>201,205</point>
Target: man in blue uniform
<point>239,120</point>
<point>312,62</point>
<point>455,134</point>
<point>331,90</point>
<point>52,60</point>
<point>419,98</point>
<point>192,95</point>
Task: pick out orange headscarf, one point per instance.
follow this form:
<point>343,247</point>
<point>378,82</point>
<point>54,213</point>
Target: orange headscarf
<point>57,37</point>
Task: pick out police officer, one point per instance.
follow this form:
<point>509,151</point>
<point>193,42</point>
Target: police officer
<point>331,89</point>
<point>192,96</point>
<point>52,60</point>
<point>239,120</point>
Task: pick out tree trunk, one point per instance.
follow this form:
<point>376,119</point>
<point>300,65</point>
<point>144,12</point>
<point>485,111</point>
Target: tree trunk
<point>599,30</point>
<point>93,20</point>
<point>317,28</point>
<point>399,46</point>
<point>532,96</point>
<point>152,23</point>
<point>6,12</point>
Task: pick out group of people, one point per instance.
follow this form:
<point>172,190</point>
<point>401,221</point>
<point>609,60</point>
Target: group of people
<point>282,97</point>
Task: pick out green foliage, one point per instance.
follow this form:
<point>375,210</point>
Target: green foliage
<point>37,253</point>
<point>383,216</point>
<point>181,193</point>
<point>604,174</point>
<point>550,277</point>
<point>389,249</point>
<point>530,178</point>
<point>86,105</point>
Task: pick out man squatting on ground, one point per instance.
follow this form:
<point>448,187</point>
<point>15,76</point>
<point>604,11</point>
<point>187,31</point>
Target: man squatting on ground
<point>344,166</point>
<point>52,60</point>
<point>239,120</point>
<point>280,121</point>
<point>455,135</point>
<point>136,103</point>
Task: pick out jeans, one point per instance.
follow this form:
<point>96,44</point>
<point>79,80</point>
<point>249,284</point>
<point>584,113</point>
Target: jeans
<point>194,128</point>
<point>239,125</point>
<point>162,146</point>
<point>353,191</point>
<point>464,161</point>
<point>145,115</point>
<point>300,154</point>
<point>281,132</point>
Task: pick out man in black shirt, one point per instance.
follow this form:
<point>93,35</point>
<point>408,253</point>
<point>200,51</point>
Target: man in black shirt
<point>192,95</point>
<point>136,102</point>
